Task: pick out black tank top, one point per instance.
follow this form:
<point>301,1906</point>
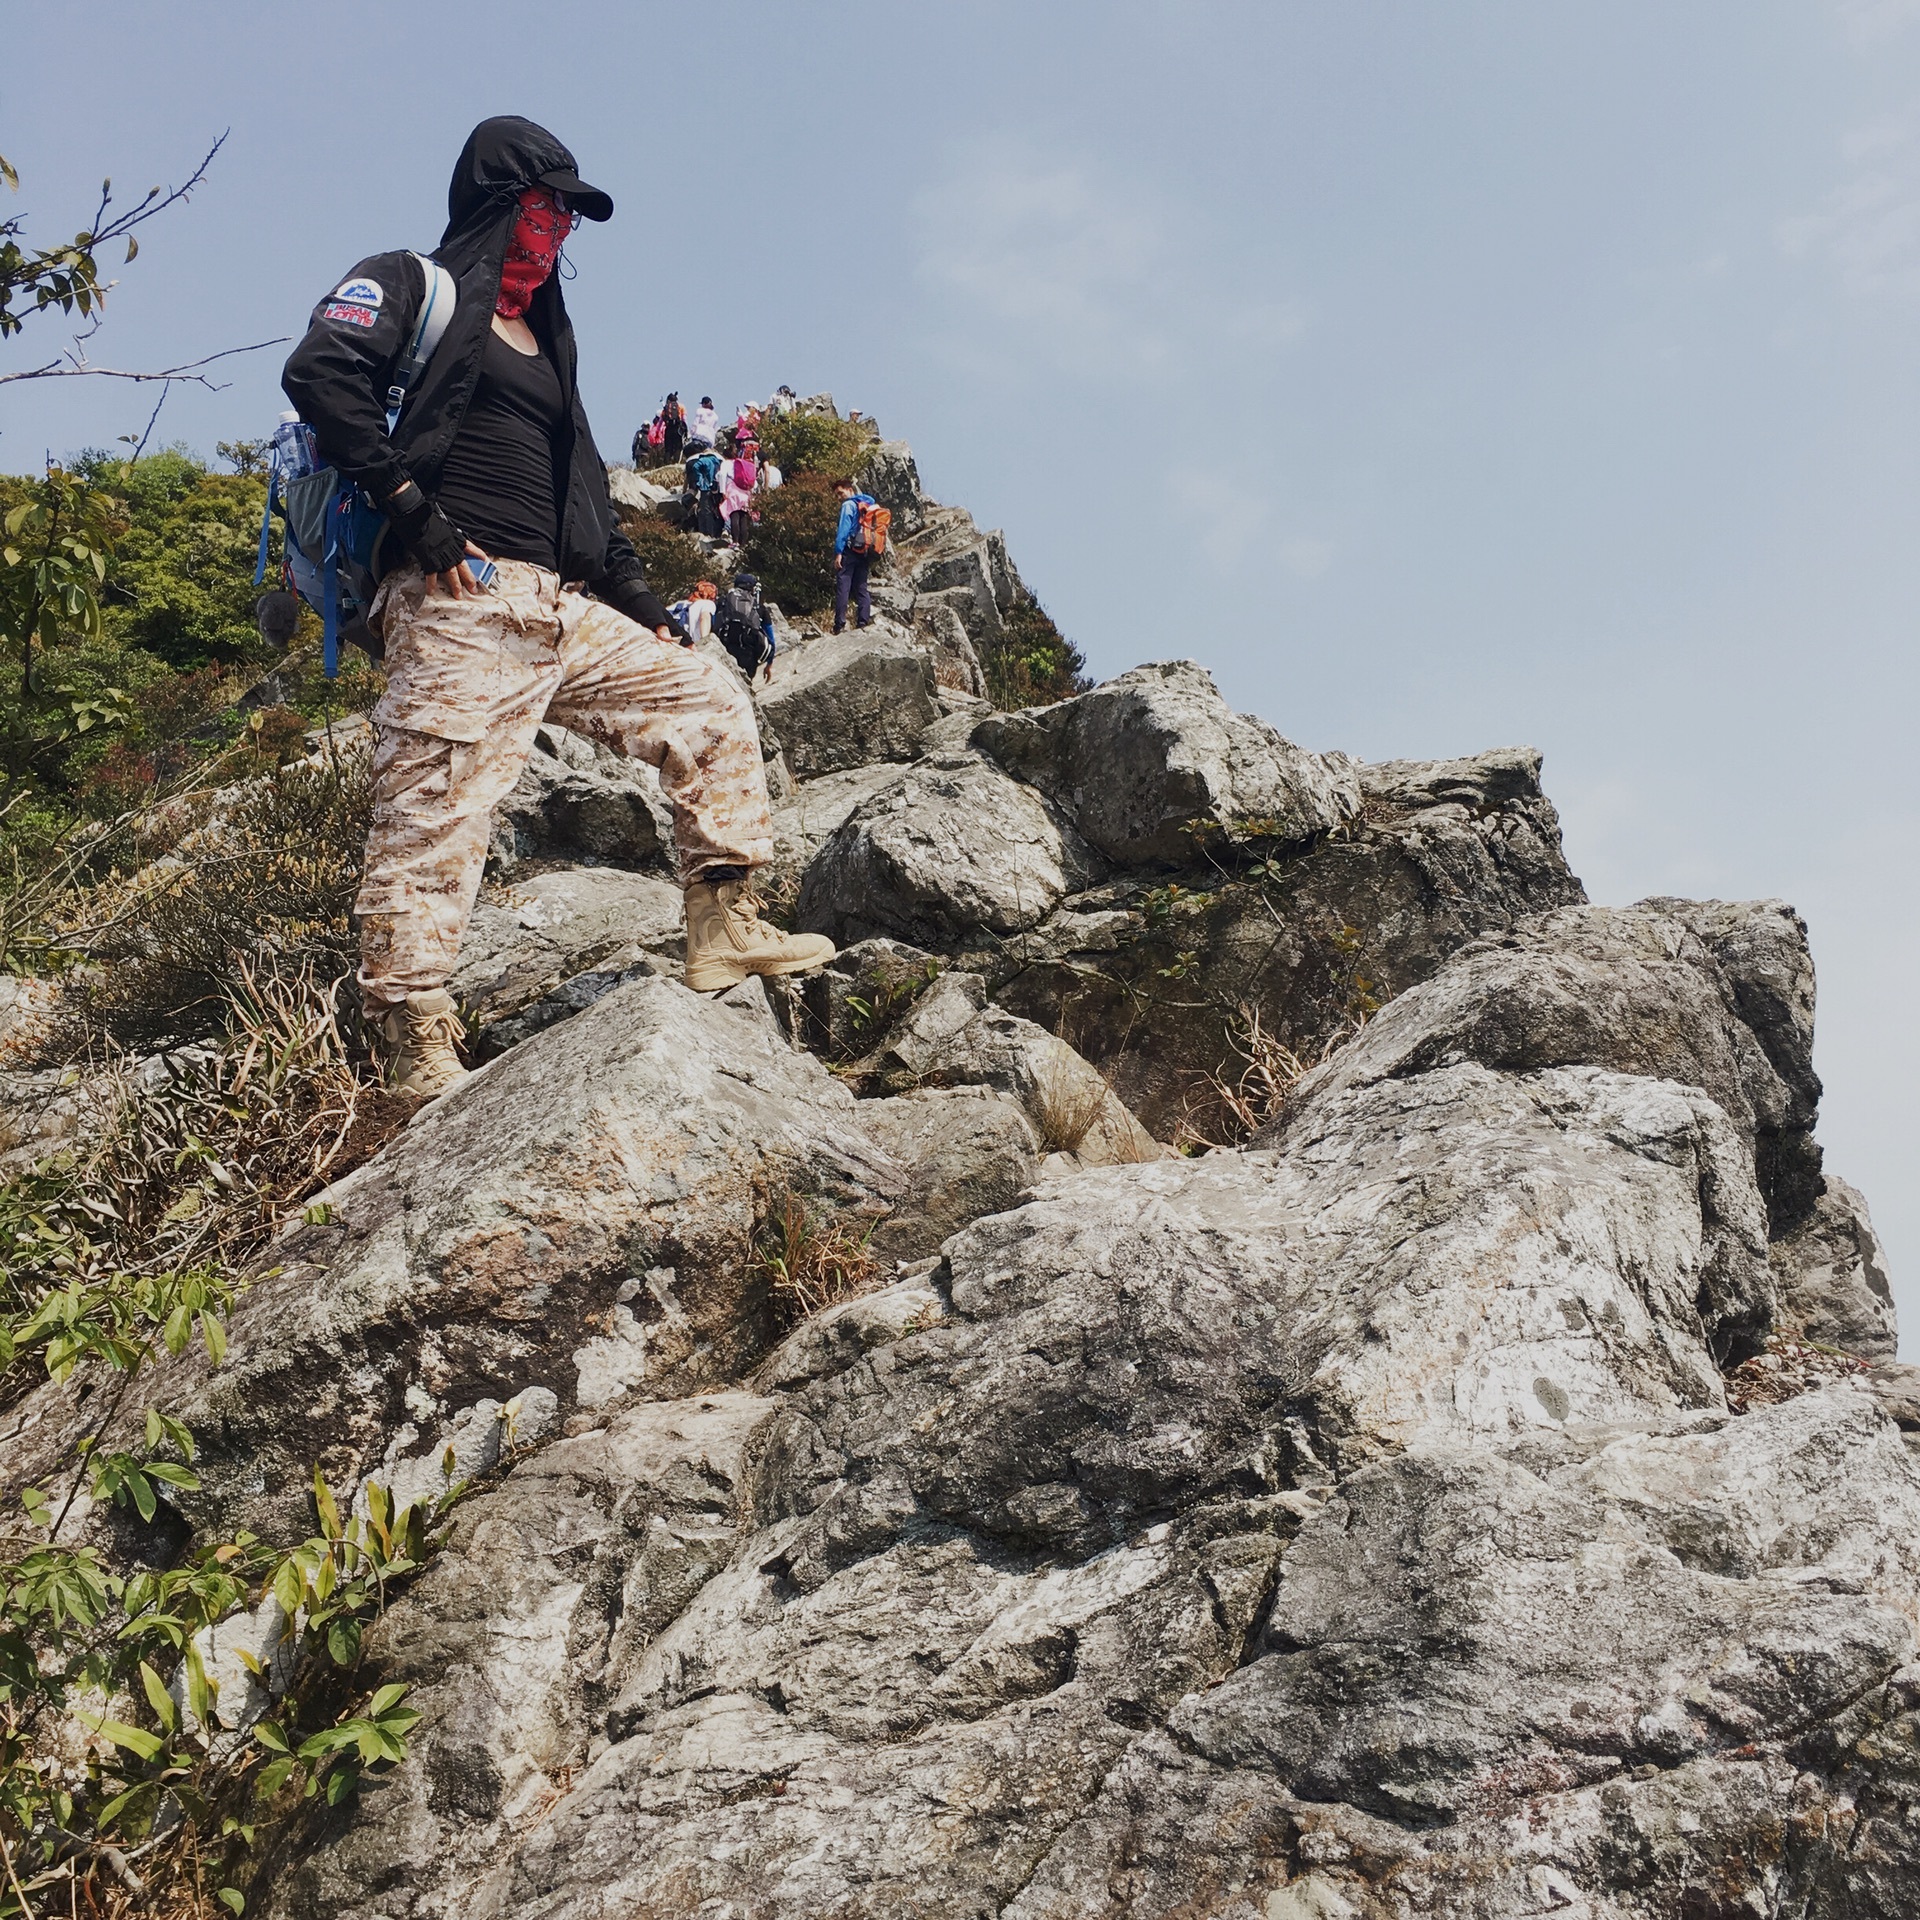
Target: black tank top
<point>500,484</point>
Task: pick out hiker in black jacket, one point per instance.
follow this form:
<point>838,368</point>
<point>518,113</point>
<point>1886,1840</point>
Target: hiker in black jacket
<point>492,465</point>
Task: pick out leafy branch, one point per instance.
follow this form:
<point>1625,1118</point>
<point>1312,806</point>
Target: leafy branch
<point>67,277</point>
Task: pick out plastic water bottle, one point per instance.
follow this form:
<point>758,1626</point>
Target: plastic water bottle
<point>293,450</point>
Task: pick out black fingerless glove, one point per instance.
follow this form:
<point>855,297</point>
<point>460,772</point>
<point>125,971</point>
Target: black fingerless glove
<point>640,603</point>
<point>424,530</point>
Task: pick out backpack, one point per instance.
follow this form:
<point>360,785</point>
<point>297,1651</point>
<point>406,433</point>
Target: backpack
<point>745,473</point>
<point>330,549</point>
<point>870,530</point>
<point>657,432</point>
<point>739,626</point>
<point>703,472</point>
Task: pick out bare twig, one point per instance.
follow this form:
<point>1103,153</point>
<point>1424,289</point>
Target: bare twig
<point>166,387</point>
<point>80,365</point>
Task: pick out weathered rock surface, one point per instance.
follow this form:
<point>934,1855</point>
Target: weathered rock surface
<point>1156,985</point>
<point>850,699</point>
<point>1115,1520</point>
<point>953,848</point>
<point>1144,760</point>
<point>576,1216</point>
<point>816,810</point>
<point>1832,1276</point>
<point>948,555</point>
<point>577,799</point>
<point>967,1151</point>
<point>1677,1644</point>
<point>1625,988</point>
<point>528,938</point>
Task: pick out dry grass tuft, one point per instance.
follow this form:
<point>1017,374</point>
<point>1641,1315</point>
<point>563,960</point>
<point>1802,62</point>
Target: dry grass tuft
<point>1068,1102</point>
<point>270,875</point>
<point>812,1257</point>
<point>1225,1111</point>
<point>201,1155</point>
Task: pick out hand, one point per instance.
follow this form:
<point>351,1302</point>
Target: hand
<point>458,582</point>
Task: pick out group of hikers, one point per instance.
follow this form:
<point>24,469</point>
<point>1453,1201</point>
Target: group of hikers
<point>723,467</point>
<point>508,594</point>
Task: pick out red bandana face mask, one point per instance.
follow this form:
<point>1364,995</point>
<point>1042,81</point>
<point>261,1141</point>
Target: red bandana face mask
<point>532,251</point>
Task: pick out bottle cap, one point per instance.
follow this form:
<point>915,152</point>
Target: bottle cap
<point>292,413</point>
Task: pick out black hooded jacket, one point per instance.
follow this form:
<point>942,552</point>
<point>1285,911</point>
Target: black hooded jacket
<point>339,374</point>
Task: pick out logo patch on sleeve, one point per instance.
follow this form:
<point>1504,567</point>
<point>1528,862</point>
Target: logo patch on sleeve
<point>363,293</point>
<point>347,311</point>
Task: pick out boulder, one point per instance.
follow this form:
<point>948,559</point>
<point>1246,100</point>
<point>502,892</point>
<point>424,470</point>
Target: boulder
<point>525,940</point>
<point>949,555</point>
<point>849,699</point>
<point>815,810</point>
<point>1165,986</point>
<point>1592,1676</point>
<point>1762,949</point>
<point>967,1151</point>
<point>943,635</point>
<point>1624,988</point>
<point>1832,1276</point>
<point>998,1533</point>
<point>893,479</point>
<point>571,1217</point>
<point>953,848</point>
<point>1143,761</point>
<point>853,1003</point>
<point>577,799</point>
<point>644,492</point>
<point>1071,1107</point>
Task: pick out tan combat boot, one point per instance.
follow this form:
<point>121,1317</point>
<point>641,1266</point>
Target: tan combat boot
<point>727,939</point>
<point>418,1038</point>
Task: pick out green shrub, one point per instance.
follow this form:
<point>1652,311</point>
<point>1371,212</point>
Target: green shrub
<point>816,443</point>
<point>181,583</point>
<point>792,547</point>
<point>674,560</point>
<point>1034,663</point>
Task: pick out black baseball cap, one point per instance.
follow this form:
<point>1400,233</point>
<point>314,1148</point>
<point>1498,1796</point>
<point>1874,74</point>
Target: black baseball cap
<point>589,202</point>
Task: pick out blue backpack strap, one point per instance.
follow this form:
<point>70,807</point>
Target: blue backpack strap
<point>266,522</point>
<point>330,576</point>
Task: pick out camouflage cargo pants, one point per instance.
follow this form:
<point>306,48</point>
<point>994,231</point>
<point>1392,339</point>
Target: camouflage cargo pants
<point>468,682</point>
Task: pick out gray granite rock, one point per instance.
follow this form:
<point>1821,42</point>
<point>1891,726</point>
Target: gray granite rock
<point>1144,760</point>
<point>575,800</point>
<point>851,699</point>
<point>1627,988</point>
<point>951,849</point>
<point>1832,1276</point>
<point>526,939</point>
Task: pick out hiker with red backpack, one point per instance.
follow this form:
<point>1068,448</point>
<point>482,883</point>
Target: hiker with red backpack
<point>673,438</point>
<point>738,479</point>
<point>859,539</point>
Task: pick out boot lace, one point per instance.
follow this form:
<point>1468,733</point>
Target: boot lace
<point>441,1028</point>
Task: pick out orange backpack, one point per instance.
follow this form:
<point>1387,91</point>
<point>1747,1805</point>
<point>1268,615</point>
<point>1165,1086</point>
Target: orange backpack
<point>870,533</point>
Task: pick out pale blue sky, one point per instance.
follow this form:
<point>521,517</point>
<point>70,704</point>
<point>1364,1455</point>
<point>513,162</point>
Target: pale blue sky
<point>1442,373</point>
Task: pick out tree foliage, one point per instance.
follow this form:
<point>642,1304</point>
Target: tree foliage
<point>791,546</point>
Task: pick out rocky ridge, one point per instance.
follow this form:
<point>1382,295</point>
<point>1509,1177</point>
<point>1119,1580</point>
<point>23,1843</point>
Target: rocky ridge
<point>1351,1520</point>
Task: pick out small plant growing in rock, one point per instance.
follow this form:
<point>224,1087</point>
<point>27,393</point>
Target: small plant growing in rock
<point>1068,1102</point>
<point>1230,1107</point>
<point>811,1256</point>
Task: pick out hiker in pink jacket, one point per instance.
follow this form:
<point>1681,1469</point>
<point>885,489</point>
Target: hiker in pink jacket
<point>738,479</point>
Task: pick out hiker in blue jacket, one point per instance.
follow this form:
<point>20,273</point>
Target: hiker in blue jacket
<point>850,569</point>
